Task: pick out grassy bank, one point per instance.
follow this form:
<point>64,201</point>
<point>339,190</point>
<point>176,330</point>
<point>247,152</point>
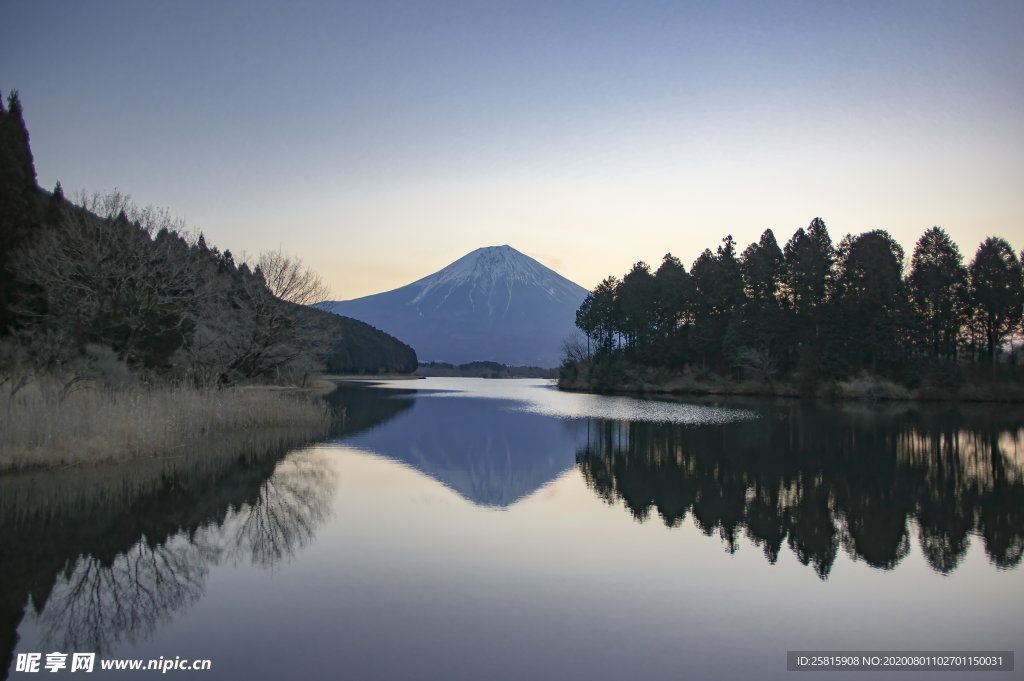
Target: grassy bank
<point>621,377</point>
<point>46,425</point>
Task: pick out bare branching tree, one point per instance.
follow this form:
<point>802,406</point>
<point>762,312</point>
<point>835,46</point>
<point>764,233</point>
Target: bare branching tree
<point>151,219</point>
<point>290,279</point>
<point>574,349</point>
<point>759,361</point>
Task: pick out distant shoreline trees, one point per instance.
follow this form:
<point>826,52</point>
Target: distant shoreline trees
<point>812,310</point>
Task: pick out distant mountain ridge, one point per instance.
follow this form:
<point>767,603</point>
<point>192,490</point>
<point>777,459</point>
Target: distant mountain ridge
<point>494,304</point>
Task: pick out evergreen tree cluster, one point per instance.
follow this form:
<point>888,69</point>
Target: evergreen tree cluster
<point>812,309</point>
<point>104,278</point>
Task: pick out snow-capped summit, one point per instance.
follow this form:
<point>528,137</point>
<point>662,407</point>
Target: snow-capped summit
<point>491,272</point>
<point>494,303</point>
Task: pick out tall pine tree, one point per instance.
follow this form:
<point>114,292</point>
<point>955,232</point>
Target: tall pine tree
<point>938,291</point>
<point>996,293</point>
<point>19,201</point>
<point>870,297</point>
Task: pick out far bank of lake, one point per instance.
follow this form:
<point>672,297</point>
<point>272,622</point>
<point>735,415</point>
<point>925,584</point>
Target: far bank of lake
<point>619,377</point>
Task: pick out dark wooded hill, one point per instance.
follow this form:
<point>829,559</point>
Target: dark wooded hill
<point>102,280</point>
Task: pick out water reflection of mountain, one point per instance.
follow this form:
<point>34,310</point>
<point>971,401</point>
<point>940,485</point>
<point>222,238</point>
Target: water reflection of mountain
<point>820,479</point>
<point>486,450</point>
<point>106,554</point>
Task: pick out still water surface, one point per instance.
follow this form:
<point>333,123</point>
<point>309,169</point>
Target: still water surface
<point>472,529</point>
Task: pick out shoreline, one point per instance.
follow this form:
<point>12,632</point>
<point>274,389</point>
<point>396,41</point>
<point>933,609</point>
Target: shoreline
<point>859,389</point>
<point>48,429</point>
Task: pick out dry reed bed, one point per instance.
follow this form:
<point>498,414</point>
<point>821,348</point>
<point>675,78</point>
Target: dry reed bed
<point>43,427</point>
<point>61,494</point>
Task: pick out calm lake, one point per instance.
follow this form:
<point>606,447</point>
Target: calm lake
<point>474,529</point>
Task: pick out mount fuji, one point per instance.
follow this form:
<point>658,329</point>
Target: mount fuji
<point>491,304</point>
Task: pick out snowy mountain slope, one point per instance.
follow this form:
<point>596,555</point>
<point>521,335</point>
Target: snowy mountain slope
<point>492,304</point>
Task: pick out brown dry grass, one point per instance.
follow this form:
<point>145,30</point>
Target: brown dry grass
<point>43,426</point>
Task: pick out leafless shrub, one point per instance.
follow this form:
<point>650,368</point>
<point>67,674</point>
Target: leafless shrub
<point>575,349</point>
<point>759,361</point>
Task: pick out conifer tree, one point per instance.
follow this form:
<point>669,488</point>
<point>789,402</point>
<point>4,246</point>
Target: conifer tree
<point>597,316</point>
<point>763,266</point>
<point>55,206</point>
<point>808,283</point>
<point>637,298</point>
<point>718,294</point>
<point>674,292</point>
<point>996,293</point>
<point>870,296</point>
<point>19,140</point>
<point>938,290</point>
<point>756,331</point>
<point>19,205</point>
<point>809,258</point>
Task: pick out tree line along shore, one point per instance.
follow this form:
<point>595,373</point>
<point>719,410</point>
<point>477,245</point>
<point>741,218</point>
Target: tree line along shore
<point>810,319</point>
<point>123,333</point>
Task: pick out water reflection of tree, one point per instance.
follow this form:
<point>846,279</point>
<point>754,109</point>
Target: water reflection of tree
<point>256,512</point>
<point>108,552</point>
<point>819,480</point>
<point>284,515</point>
<point>356,409</point>
<point>97,603</point>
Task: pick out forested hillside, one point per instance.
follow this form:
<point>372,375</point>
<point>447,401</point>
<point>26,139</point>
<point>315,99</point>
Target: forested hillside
<point>811,313</point>
<point>100,283</point>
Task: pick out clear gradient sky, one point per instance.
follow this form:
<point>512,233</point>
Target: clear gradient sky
<point>380,141</point>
